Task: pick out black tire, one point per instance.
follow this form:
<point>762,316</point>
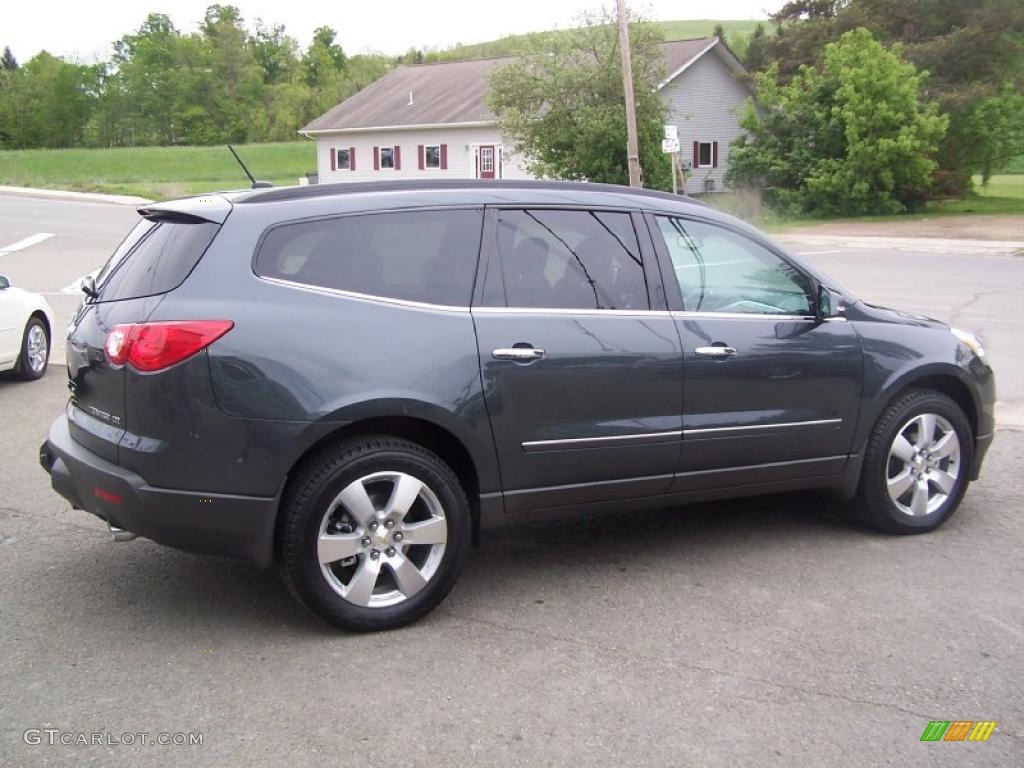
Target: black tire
<point>307,500</point>
<point>873,504</point>
<point>23,368</point>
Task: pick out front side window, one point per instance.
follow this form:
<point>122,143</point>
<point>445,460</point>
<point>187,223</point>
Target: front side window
<point>343,159</point>
<point>570,260</point>
<point>432,155</point>
<point>423,256</point>
<point>705,154</point>
<point>387,157</point>
<point>719,270</point>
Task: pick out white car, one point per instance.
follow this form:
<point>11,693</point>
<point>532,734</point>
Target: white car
<point>26,327</point>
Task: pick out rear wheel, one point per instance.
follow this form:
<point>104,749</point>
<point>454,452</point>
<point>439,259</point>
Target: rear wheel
<point>374,533</point>
<point>35,351</point>
<point>916,465</point>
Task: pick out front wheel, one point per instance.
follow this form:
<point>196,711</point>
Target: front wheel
<point>35,351</point>
<point>916,465</point>
<point>374,533</point>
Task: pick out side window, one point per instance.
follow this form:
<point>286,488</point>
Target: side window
<point>155,258</point>
<point>719,270</point>
<point>570,260</point>
<point>425,256</point>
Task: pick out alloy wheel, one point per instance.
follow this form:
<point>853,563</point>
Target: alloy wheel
<point>36,348</point>
<point>382,539</point>
<point>924,464</point>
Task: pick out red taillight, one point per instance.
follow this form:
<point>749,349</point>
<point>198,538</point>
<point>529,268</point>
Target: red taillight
<point>152,347</point>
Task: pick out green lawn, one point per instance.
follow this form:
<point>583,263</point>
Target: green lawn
<point>1004,194</point>
<point>736,32</point>
<point>155,172</point>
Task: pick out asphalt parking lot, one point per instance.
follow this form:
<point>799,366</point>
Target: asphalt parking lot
<point>758,632</point>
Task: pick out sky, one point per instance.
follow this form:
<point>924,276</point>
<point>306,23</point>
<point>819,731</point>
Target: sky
<point>84,29</point>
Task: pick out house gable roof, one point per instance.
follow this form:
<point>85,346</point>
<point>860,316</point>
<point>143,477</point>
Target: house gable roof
<point>454,92</point>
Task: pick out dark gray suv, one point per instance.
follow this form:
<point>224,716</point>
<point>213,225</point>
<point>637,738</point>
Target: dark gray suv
<point>354,381</point>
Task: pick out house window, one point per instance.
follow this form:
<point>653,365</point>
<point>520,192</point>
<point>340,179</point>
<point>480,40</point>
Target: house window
<point>343,159</point>
<point>432,155</point>
<point>387,157</point>
<point>705,154</point>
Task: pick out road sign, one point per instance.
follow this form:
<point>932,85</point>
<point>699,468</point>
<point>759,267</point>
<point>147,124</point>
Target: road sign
<point>671,132</point>
<point>670,145</point>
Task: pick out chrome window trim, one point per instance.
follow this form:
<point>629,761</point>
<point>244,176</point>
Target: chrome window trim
<point>582,442</point>
<point>684,314</point>
<point>567,311</point>
<point>366,297</point>
<point>748,427</point>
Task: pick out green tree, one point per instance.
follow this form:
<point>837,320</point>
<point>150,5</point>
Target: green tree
<point>971,50</point>
<point>561,107</point>
<point>756,56</point>
<point>7,62</point>
<point>324,59</point>
<point>852,136</point>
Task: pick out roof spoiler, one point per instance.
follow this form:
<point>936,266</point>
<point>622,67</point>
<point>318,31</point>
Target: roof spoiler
<point>189,210</point>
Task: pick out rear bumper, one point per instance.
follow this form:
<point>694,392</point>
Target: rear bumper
<point>217,524</point>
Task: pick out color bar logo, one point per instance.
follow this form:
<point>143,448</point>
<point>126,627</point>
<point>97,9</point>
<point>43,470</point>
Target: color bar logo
<point>958,730</point>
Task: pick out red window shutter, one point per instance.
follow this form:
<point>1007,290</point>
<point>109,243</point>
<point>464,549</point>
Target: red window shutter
<point>444,157</point>
<point>351,158</point>
<point>419,152</point>
<point>714,154</point>
<point>334,159</point>
<point>376,158</point>
<point>398,158</point>
<point>696,154</point>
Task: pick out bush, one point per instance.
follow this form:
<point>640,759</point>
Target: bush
<point>853,136</point>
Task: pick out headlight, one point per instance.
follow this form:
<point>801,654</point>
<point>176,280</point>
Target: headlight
<point>970,341</point>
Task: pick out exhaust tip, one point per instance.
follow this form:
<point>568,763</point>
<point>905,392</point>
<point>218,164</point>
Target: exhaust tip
<point>120,534</point>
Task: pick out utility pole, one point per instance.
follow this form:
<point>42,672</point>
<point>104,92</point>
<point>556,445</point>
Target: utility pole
<point>632,148</point>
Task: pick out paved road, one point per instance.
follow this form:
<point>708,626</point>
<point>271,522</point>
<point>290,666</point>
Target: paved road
<point>763,632</point>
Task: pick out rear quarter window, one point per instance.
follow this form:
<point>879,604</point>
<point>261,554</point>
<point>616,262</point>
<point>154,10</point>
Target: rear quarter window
<point>422,256</point>
<point>155,258</point>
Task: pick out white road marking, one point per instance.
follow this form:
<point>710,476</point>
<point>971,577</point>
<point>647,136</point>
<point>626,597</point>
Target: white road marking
<point>815,253</point>
<point>24,243</point>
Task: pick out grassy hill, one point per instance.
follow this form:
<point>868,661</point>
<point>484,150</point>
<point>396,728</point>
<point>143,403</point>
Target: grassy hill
<point>155,172</point>
<point>737,33</point>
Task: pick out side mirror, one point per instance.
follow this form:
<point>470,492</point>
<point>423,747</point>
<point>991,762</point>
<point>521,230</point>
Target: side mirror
<point>89,286</point>
<point>5,282</point>
<point>830,303</point>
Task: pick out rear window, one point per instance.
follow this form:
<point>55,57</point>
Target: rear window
<point>155,258</point>
<point>423,256</point>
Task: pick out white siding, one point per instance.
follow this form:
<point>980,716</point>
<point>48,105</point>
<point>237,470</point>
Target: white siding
<point>706,102</point>
<point>462,144</point>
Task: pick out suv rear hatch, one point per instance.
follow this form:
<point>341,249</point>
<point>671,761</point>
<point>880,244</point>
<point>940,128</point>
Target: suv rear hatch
<point>155,258</point>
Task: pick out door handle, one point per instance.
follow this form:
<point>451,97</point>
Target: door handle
<point>716,351</point>
<point>519,354</point>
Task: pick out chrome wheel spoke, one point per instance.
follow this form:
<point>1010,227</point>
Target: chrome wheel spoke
<point>945,446</point>
<point>900,484</point>
<point>432,531</point>
<point>919,501</point>
<point>944,480</point>
<point>403,496</point>
<point>902,449</point>
<point>357,503</point>
<point>925,431</point>
<point>360,589</point>
<point>407,576</point>
<point>333,547</point>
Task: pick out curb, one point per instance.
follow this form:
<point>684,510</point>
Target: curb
<point>920,244</point>
<point>62,194</point>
